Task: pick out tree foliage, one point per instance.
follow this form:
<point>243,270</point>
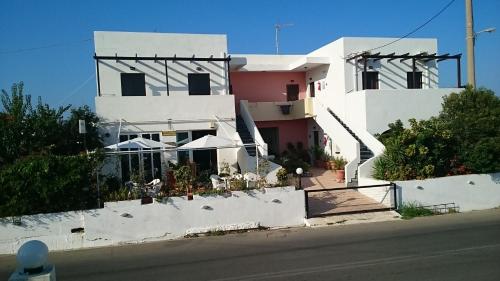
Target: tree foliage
<point>42,164</point>
<point>40,129</point>
<point>464,138</point>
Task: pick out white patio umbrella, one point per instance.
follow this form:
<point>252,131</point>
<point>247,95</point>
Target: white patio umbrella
<point>139,143</point>
<point>208,142</point>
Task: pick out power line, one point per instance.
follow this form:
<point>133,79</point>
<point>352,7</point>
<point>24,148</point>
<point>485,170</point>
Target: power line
<point>417,28</point>
<point>55,45</point>
<point>77,89</point>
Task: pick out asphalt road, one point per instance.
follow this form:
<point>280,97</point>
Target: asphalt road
<point>451,247</point>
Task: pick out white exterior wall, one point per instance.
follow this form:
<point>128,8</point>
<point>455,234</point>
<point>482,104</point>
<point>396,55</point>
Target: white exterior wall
<point>392,75</point>
<point>331,77</point>
<point>373,110</point>
<point>163,45</point>
<point>157,111</point>
<point>276,207</point>
<point>468,192</point>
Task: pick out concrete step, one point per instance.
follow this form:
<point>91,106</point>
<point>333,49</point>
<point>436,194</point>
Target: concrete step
<point>353,219</point>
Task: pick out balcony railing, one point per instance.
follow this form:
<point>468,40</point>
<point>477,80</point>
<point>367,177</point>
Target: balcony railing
<point>289,110</point>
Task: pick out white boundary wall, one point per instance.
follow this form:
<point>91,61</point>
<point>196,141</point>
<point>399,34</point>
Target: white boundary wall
<point>469,192</point>
<point>275,207</point>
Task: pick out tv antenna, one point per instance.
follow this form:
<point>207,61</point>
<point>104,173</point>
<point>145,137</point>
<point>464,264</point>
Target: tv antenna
<point>277,28</point>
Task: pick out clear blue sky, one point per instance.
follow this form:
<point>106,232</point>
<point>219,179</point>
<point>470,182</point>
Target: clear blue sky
<point>63,74</point>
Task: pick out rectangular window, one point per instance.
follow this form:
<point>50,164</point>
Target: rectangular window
<point>417,84</point>
<point>133,84</point>
<point>199,83</point>
<point>370,80</point>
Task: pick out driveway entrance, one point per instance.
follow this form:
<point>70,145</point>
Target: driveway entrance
<point>326,197</point>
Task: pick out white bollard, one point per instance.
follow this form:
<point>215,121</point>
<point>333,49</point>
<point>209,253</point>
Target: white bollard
<point>32,263</point>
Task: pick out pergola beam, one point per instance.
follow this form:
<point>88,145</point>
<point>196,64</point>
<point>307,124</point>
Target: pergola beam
<point>155,58</point>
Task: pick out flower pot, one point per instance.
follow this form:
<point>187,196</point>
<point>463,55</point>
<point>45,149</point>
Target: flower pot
<point>190,193</point>
<point>340,175</point>
<point>331,165</point>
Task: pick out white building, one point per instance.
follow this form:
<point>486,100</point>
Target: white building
<point>178,87</point>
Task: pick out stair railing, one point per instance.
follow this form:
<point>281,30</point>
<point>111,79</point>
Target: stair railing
<point>252,128</point>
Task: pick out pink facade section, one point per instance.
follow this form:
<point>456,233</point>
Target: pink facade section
<point>265,86</point>
<point>288,131</point>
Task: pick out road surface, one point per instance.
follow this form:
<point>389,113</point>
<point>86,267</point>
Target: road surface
<point>449,247</point>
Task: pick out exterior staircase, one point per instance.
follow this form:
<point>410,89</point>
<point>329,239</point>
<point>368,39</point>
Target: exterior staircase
<point>245,135</point>
<point>365,152</point>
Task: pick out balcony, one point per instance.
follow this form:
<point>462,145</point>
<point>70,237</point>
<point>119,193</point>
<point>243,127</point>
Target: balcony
<point>151,108</point>
<point>275,111</point>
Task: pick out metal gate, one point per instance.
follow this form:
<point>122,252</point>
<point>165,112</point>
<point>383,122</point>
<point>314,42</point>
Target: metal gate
<point>350,200</point>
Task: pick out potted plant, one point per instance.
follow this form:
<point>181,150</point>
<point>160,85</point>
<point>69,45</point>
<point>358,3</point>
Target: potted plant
<point>331,163</point>
<point>319,156</point>
<point>184,179</point>
<point>282,176</point>
<point>339,165</point>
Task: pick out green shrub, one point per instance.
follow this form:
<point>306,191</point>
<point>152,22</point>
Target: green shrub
<point>282,176</point>
<point>464,138</point>
<point>48,183</point>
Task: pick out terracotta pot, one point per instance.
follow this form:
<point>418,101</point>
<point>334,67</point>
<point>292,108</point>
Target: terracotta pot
<point>340,175</point>
<point>190,193</point>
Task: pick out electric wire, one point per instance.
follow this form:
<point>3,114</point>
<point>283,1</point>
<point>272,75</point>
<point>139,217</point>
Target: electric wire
<point>55,45</point>
<point>76,90</point>
<point>415,29</point>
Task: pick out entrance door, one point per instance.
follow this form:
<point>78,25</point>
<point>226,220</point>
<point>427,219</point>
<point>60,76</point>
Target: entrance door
<point>292,92</point>
<point>312,90</point>
<point>205,159</point>
<point>271,137</point>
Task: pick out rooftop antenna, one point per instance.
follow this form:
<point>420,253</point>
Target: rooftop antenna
<point>277,28</point>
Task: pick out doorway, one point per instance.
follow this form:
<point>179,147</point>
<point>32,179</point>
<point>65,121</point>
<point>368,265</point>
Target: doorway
<point>271,137</point>
<point>205,159</point>
<point>312,90</point>
<point>292,92</point>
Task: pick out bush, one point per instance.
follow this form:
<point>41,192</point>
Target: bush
<point>282,176</point>
<point>464,138</point>
<point>46,184</point>
<point>424,150</point>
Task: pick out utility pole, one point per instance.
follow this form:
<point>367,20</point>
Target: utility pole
<point>470,37</point>
<point>277,28</point>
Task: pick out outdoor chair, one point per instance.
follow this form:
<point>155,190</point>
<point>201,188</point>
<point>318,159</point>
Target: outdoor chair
<point>251,179</point>
<point>216,182</point>
<point>153,187</point>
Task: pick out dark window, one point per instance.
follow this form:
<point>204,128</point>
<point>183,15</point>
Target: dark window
<point>292,92</point>
<point>133,84</point>
<point>312,90</point>
<point>417,84</point>
<point>199,83</point>
<point>182,155</point>
<point>370,80</point>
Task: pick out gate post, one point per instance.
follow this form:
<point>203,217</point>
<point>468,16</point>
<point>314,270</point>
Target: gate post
<point>306,198</point>
<point>395,196</point>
